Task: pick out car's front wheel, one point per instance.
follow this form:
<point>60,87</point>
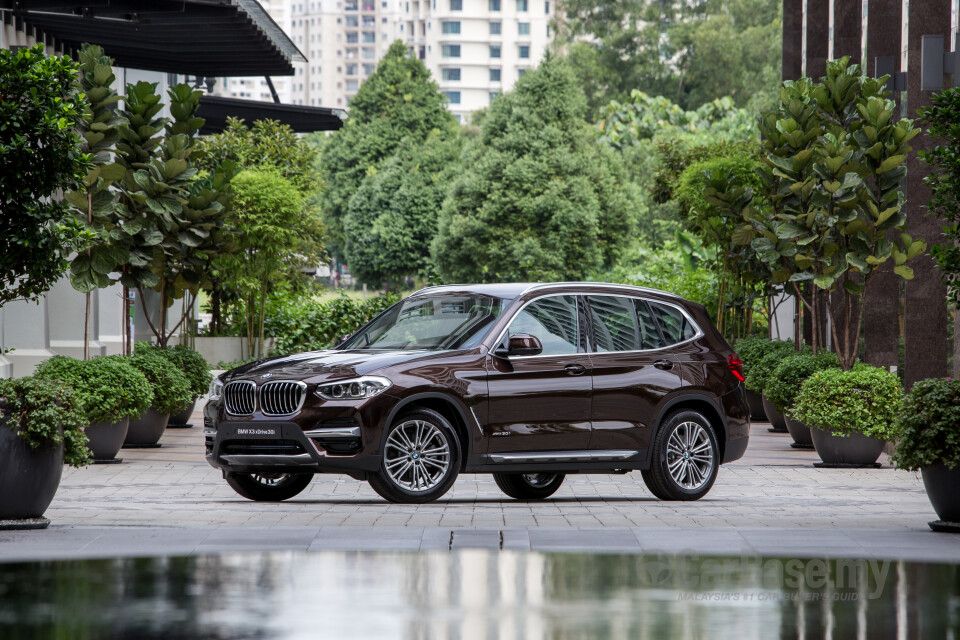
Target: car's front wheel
<point>686,458</point>
<point>529,486</point>
<point>421,458</point>
<point>269,487</point>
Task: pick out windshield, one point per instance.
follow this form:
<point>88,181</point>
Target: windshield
<point>431,322</point>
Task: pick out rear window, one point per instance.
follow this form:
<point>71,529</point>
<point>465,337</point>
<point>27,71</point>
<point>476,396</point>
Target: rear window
<point>673,323</point>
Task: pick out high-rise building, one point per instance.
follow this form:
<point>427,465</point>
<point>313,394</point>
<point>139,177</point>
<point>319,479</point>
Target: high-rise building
<point>475,49</point>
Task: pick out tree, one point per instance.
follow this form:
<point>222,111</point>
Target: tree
<point>392,218</point>
<point>399,100</point>
<point>40,154</point>
<point>268,211</point>
<point>540,197</point>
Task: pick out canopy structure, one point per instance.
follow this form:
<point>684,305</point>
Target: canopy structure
<point>302,119</point>
<point>190,37</point>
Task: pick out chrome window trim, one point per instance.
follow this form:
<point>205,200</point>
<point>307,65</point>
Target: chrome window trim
<point>303,397</point>
<point>256,397</point>
<point>520,310</point>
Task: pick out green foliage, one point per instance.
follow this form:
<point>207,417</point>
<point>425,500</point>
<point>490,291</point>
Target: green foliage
<point>40,153</point>
<point>539,198</point>
<point>399,100</point>
<point>930,425</point>
<point>759,372</point>
<point>864,400</point>
<point>392,218</point>
<point>701,215</point>
<point>783,386</point>
<point>170,386</point>
<point>46,413</point>
<point>675,156</point>
<point>751,350</point>
<point>108,388</point>
<point>943,117</point>
<point>311,325</point>
<point>191,363</point>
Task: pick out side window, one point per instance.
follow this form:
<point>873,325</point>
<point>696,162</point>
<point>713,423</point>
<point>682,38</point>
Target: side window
<point>553,320</point>
<point>675,326</point>
<point>614,323</point>
<point>649,335</point>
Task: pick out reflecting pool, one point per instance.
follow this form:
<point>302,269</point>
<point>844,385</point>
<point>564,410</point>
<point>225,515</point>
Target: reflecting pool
<point>476,594</point>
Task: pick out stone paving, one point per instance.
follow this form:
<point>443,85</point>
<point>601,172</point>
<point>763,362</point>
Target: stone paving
<point>169,500</point>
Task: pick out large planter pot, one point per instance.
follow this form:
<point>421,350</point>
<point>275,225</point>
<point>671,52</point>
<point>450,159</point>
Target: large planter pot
<point>853,449</point>
<point>941,484</point>
<point>798,431</point>
<point>106,438</point>
<point>755,402</point>
<point>28,477</point>
<point>183,417</point>
<point>773,416</point>
<point>147,429</point>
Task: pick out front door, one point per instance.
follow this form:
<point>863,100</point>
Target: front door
<point>542,403</point>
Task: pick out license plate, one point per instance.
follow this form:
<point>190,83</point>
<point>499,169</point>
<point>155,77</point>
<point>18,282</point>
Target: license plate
<point>257,431</point>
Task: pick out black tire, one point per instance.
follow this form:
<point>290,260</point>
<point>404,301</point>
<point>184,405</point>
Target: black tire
<point>693,454</point>
<point>402,469</point>
<point>529,486</point>
<point>269,487</point>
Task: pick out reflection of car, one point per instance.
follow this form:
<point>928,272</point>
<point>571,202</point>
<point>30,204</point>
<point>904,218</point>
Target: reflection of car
<point>528,382</point>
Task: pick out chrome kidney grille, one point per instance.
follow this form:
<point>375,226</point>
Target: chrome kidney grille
<point>282,398</point>
<point>240,398</point>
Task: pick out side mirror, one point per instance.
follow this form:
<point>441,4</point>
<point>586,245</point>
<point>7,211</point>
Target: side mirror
<point>339,341</point>
<point>520,344</point>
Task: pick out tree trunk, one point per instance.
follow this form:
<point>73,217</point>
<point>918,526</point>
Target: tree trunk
<point>263,314</point>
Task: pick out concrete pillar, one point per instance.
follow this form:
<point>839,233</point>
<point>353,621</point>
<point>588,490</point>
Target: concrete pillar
<point>6,367</point>
<point>816,38</point>
<point>925,323</point>
<point>66,307</point>
<point>792,51</point>
<point>782,316</point>
<point>881,322</point>
<point>26,331</point>
<point>110,318</point>
<point>847,24</point>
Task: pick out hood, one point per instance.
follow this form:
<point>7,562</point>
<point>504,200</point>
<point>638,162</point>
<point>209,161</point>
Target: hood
<point>323,365</point>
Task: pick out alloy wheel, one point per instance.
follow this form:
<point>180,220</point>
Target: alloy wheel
<point>417,456</point>
<point>690,456</point>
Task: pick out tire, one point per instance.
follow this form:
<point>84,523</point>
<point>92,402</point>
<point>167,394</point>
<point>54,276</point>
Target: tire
<point>529,486</point>
<point>686,442</point>
<point>407,474</point>
<point>269,487</point>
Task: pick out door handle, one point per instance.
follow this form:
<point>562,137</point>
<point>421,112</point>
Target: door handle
<point>663,364</point>
<point>575,369</point>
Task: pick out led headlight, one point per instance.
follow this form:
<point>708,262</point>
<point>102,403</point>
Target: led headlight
<point>353,389</point>
<point>216,390</point>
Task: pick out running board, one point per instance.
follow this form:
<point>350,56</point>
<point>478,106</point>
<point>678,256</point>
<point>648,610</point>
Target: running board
<point>562,456</point>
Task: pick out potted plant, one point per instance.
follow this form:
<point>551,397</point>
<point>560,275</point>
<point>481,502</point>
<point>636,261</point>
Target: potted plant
<point>110,392</point>
<point>750,351</point>
<point>758,373</point>
<point>851,413</point>
<point>930,442</point>
<point>194,367</point>
<point>41,428</point>
<point>171,392</point>
<point>783,386</point>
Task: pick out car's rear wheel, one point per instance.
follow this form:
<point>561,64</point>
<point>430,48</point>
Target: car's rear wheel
<point>269,487</point>
<point>686,458</point>
<point>529,486</point>
<point>421,458</point>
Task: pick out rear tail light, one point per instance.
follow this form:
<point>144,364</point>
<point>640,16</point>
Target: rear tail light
<point>736,366</point>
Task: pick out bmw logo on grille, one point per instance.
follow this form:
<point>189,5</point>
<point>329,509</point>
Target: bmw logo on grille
<point>266,375</point>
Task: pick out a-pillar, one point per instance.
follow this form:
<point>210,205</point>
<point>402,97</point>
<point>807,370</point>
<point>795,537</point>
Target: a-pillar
<point>881,324</point>
<point>817,38</point>
<point>111,319</point>
<point>925,322</point>
<point>26,332</point>
<point>66,311</point>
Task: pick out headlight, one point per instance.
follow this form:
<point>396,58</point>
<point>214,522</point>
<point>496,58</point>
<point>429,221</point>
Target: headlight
<point>353,389</point>
<point>216,390</point>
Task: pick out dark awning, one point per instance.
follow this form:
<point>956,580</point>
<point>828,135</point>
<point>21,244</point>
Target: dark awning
<point>301,119</point>
<point>191,37</point>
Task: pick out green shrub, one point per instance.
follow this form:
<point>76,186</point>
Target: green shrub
<point>171,389</point>
<point>783,386</point>
<point>192,364</point>
<point>310,325</point>
<point>49,413</point>
<point>751,350</point>
<point>761,369</point>
<point>930,425</point>
<point>109,388</point>
<point>864,400</point>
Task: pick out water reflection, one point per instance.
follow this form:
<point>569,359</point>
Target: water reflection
<point>474,594</point>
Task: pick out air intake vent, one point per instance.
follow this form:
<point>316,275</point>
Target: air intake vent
<point>282,398</point>
<point>240,397</point>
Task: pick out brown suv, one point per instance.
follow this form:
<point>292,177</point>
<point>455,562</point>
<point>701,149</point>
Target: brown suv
<point>528,382</point>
